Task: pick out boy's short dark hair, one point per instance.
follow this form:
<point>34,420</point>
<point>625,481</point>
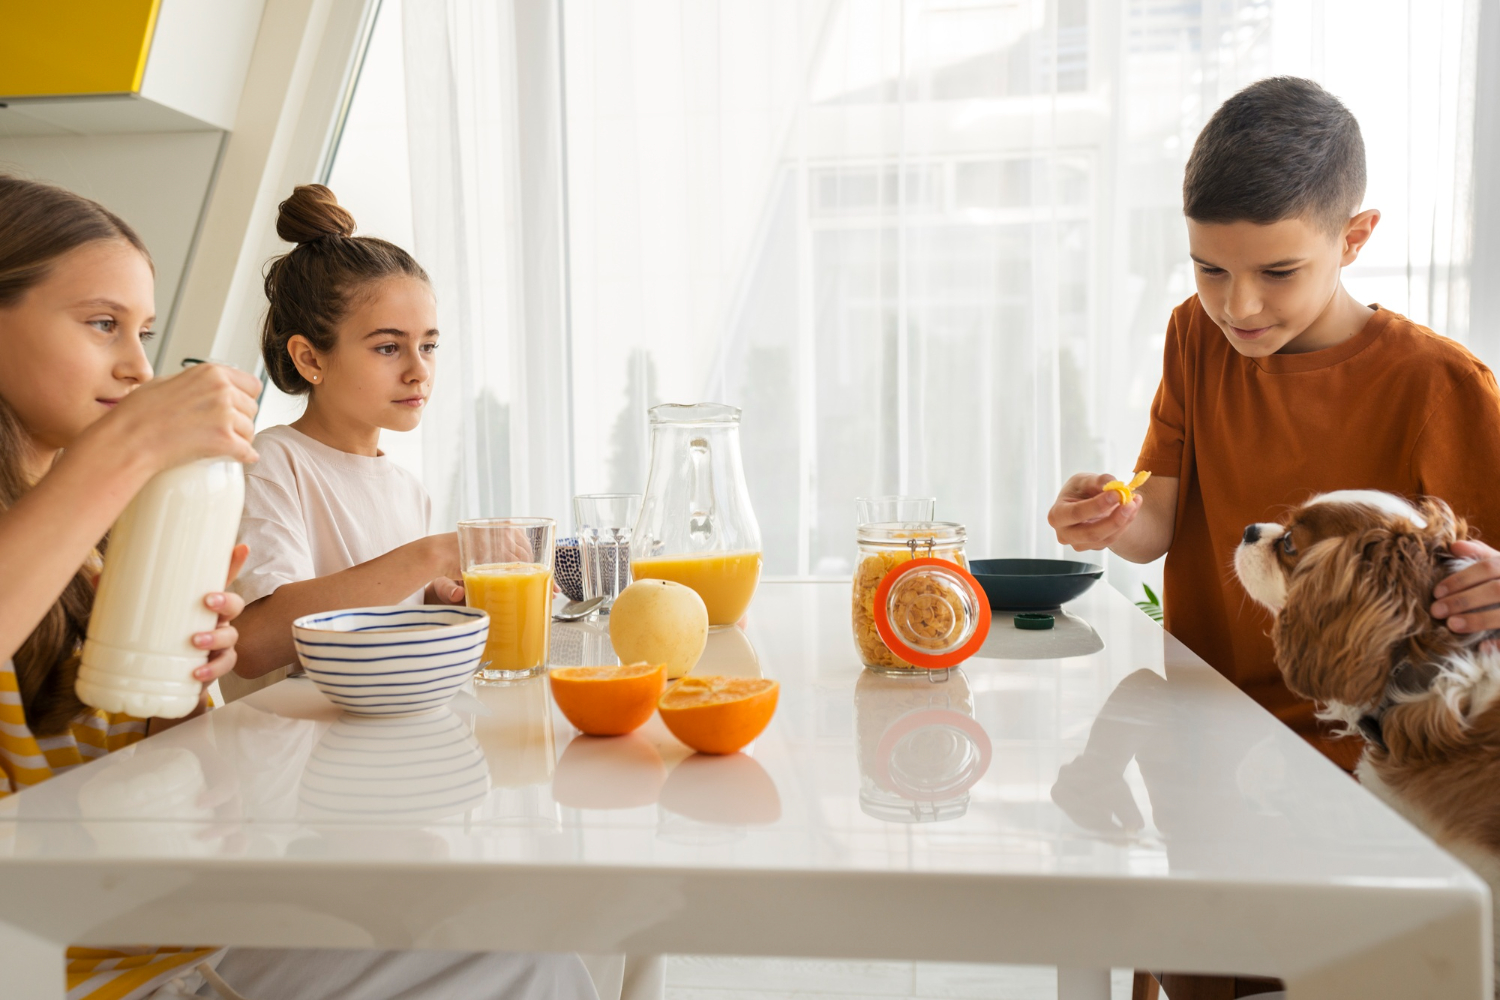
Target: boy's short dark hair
<point>1281,148</point>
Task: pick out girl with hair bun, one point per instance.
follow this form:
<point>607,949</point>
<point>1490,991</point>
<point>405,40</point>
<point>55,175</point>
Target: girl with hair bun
<point>333,523</point>
<point>330,520</point>
<point>82,429</point>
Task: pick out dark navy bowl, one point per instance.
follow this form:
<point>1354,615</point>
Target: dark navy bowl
<point>568,568</point>
<point>1032,584</point>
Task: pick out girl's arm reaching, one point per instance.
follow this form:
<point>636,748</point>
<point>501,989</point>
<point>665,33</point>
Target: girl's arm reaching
<point>265,626</point>
<point>50,531</point>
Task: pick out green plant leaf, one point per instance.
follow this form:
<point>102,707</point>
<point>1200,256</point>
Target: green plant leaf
<point>1151,605</point>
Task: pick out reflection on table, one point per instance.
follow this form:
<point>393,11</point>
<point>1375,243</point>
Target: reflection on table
<point>920,750</point>
<point>1074,763</point>
<point>1047,799</point>
<point>513,724</point>
<point>729,653</point>
<point>421,767</point>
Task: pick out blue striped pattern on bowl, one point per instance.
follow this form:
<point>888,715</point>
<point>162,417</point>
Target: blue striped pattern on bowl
<point>394,660</point>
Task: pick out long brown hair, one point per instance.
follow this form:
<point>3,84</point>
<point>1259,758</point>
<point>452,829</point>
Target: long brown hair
<point>40,223</point>
<point>310,288</point>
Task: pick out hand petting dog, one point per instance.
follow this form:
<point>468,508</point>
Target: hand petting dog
<point>1469,600</point>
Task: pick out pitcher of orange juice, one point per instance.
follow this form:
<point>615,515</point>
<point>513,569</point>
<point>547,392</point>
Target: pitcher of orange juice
<point>696,526</point>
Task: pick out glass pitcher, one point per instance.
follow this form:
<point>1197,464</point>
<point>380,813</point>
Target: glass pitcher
<point>696,526</point>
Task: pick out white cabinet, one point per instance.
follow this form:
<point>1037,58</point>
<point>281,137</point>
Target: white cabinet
<point>129,102</point>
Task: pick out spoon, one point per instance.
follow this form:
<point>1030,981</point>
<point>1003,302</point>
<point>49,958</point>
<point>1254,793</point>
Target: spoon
<point>574,610</point>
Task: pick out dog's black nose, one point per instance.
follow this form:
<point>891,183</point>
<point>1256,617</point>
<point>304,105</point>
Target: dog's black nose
<point>1252,534</point>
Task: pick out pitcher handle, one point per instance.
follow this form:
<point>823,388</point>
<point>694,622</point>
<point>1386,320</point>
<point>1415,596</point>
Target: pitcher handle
<point>701,492</point>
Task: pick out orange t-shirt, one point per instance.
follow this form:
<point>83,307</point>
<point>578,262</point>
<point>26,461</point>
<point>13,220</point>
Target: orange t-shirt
<point>1396,408</point>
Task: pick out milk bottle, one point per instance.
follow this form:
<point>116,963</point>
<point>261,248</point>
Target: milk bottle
<point>169,549</point>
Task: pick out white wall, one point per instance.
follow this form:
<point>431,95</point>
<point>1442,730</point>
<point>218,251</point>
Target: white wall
<point>200,53</point>
<point>1484,264</point>
<point>157,182</point>
<point>293,92</point>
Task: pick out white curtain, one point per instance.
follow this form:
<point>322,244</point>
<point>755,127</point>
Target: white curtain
<point>929,246</point>
<point>482,112</point>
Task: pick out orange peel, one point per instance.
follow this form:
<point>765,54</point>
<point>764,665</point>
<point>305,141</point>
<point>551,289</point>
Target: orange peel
<point>1126,491</point>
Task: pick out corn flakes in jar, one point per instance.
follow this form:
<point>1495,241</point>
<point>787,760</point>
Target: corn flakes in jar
<point>930,612</point>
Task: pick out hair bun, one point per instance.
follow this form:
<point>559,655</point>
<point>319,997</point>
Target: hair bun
<point>311,213</point>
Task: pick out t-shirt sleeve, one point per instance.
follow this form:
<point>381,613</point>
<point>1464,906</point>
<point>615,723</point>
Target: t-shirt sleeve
<point>1161,454</point>
<point>273,528</point>
<point>1457,454</point>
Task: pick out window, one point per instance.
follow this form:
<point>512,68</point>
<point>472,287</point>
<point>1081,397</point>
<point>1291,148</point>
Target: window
<point>929,246</point>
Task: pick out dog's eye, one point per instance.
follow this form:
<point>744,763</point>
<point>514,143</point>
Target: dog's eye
<point>1287,545</point>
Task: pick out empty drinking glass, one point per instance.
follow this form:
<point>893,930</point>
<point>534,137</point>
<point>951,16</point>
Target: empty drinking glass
<point>604,523</point>
<point>879,510</point>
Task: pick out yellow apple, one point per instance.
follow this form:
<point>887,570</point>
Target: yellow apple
<point>658,621</point>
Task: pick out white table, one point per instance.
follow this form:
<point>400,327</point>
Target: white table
<point>1195,833</point>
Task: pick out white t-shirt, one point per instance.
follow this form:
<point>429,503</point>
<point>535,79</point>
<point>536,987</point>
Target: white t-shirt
<point>312,510</point>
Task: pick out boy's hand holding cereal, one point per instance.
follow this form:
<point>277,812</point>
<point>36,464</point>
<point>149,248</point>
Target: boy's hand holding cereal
<point>1093,510</point>
<point>1126,491</point>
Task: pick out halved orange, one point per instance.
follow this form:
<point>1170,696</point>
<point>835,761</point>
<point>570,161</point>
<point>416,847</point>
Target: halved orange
<point>608,701</point>
<point>718,714</point>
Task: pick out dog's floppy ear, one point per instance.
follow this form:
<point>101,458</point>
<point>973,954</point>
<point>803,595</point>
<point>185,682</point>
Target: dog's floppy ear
<point>1351,603</point>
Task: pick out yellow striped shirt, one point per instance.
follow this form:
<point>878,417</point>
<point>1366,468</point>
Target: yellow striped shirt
<point>26,760</point>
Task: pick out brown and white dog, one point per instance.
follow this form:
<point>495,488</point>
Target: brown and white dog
<point>1349,576</point>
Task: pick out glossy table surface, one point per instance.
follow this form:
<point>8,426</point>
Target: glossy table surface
<point>1089,797</point>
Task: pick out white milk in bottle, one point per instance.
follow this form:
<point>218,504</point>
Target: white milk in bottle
<point>167,552</point>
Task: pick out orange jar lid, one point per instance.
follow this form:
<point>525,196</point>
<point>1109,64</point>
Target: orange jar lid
<point>931,613</point>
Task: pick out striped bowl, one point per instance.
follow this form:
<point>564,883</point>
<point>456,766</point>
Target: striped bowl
<point>391,661</point>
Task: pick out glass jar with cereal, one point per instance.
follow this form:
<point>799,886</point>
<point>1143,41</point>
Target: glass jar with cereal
<point>915,605</point>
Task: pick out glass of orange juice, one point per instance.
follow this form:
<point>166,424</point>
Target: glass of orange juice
<point>507,564</point>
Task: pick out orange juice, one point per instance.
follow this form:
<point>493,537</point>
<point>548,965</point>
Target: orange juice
<point>725,580</point>
<point>518,599</point>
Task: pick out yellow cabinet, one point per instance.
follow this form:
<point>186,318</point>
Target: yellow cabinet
<point>58,48</point>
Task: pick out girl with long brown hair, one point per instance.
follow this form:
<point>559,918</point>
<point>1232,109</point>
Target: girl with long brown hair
<point>82,429</point>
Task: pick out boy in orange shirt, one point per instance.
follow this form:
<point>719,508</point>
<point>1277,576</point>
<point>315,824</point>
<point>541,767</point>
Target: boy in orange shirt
<point>1278,384</point>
